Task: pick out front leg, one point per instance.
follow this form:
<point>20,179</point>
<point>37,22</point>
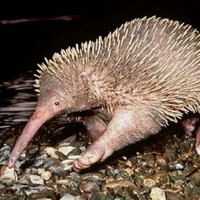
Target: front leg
<point>127,126</point>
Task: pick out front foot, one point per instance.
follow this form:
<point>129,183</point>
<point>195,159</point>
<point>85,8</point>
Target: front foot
<point>94,154</point>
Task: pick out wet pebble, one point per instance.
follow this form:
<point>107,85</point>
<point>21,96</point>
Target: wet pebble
<point>51,152</point>
<point>24,179</point>
<point>149,182</point>
<point>67,181</point>
<point>162,177</point>
<point>89,186</point>
<point>8,173</point>
<point>4,154</point>
<point>36,179</point>
<point>46,175</point>
<point>195,178</point>
<point>177,165</point>
<point>66,150</point>
<point>93,176</point>
<point>121,183</point>
<point>170,153</point>
<point>157,194</point>
<point>40,160</point>
<point>68,197</point>
<point>160,160</point>
<point>59,170</point>
<point>98,196</point>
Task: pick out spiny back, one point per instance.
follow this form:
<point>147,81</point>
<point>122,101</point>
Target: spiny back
<point>150,61</point>
<point>160,66</point>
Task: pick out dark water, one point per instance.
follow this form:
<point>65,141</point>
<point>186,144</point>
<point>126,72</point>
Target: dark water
<point>18,100</point>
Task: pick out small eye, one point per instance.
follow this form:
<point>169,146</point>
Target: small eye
<point>57,103</point>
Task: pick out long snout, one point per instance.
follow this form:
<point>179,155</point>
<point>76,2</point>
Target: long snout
<point>36,121</point>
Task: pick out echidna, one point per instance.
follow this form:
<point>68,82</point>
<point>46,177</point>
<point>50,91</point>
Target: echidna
<point>136,80</point>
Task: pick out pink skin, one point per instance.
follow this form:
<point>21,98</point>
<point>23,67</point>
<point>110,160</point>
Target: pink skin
<point>197,145</point>
<point>38,118</point>
<point>49,105</point>
<point>123,129</point>
<point>189,124</point>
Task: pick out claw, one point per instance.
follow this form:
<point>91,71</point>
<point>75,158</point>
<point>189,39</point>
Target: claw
<point>96,153</point>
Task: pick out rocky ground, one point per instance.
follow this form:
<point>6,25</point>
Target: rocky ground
<point>164,166</point>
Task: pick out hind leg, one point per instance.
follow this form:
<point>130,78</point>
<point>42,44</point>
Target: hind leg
<point>189,125</point>
<point>96,124</point>
<point>197,144</point>
<point>127,126</point>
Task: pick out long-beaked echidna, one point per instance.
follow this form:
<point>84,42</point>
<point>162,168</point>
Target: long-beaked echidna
<point>136,80</point>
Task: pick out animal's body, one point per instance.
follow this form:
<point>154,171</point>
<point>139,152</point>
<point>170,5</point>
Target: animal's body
<point>135,81</point>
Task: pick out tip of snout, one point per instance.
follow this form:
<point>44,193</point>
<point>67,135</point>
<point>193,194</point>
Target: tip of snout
<point>11,162</point>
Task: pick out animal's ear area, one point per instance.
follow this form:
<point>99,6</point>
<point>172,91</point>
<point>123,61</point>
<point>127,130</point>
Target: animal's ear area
<point>76,98</point>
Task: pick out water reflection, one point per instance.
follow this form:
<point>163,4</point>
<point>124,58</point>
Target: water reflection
<point>18,100</point>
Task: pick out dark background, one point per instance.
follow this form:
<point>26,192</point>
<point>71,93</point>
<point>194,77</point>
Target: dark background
<point>23,45</point>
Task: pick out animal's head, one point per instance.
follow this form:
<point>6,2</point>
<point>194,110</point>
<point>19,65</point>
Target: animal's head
<point>60,88</point>
<point>56,96</point>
